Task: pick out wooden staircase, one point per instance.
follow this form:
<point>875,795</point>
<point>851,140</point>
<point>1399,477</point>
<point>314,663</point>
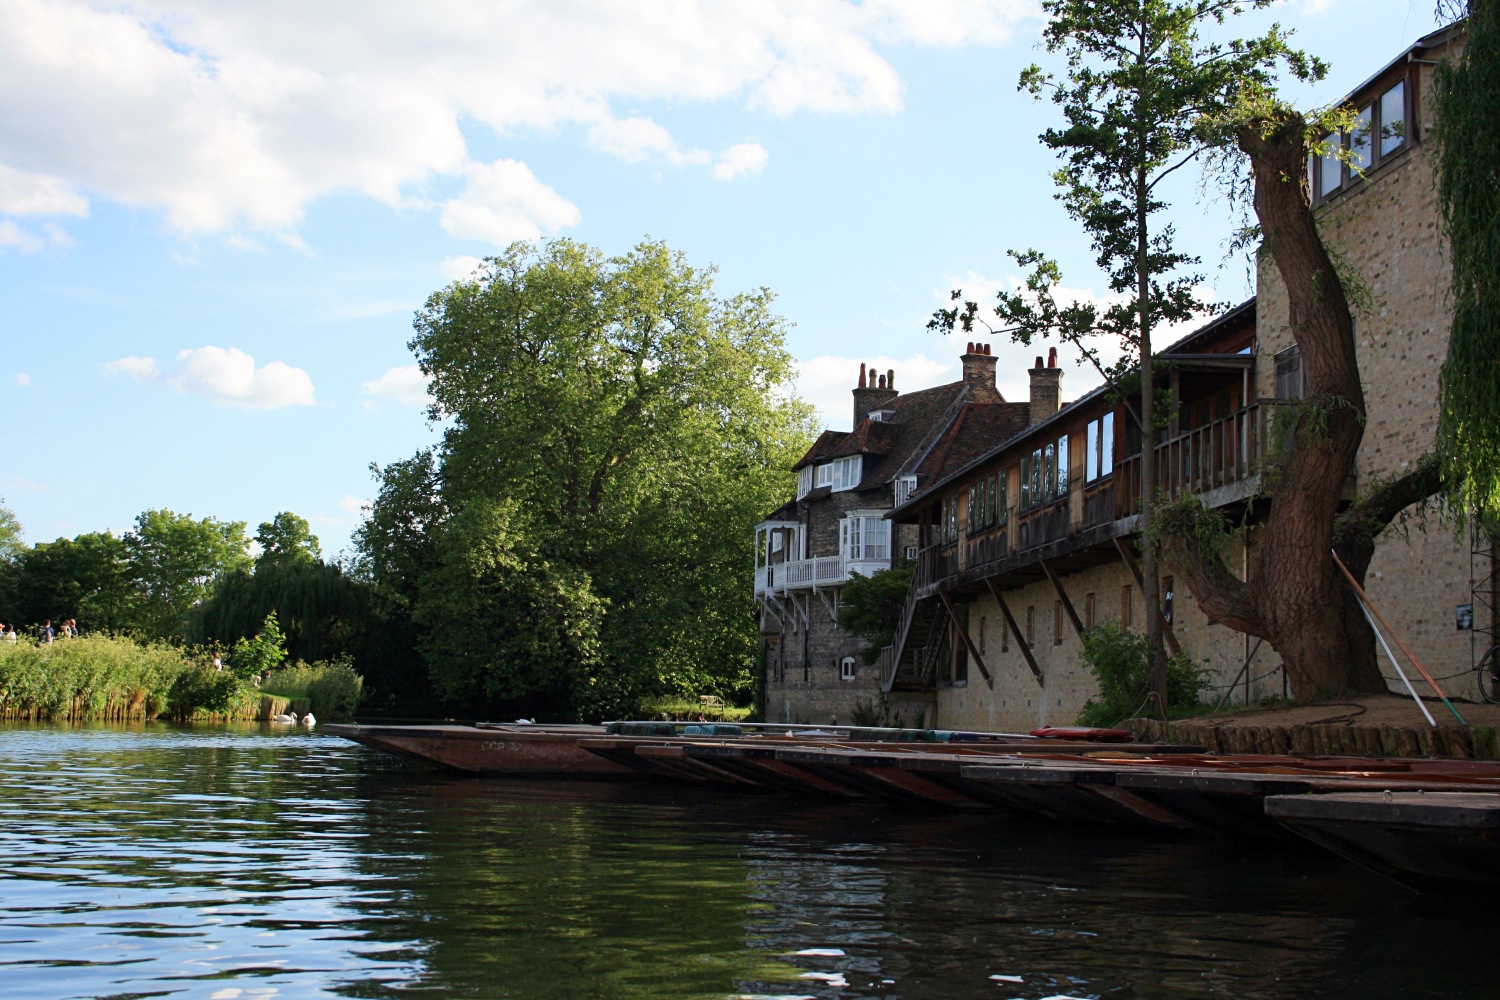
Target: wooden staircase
<point>911,659</point>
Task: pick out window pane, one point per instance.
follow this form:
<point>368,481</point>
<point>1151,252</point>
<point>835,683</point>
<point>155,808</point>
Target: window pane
<point>1360,141</point>
<point>1025,483</point>
<point>1049,483</point>
<point>1393,119</point>
<point>1091,452</point>
<point>1107,445</point>
<point>1062,466</point>
<point>1329,165</point>
<point>1036,477</point>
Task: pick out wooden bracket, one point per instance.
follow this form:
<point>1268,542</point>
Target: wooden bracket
<point>958,627</point>
<point>1062,595</point>
<point>1135,568</point>
<point>1015,631</point>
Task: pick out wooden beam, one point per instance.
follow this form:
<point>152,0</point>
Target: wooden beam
<point>1015,631</point>
<point>1062,595</point>
<point>1135,568</point>
<point>958,627</point>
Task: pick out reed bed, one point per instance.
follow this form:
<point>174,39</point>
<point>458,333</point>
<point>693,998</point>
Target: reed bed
<point>94,677</point>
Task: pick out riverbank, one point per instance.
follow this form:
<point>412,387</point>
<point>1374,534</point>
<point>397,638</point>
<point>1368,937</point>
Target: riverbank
<point>1372,726</point>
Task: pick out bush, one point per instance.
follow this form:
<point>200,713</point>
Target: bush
<point>1121,663</point>
<point>333,689</point>
<point>201,688</point>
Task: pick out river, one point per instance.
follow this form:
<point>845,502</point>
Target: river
<point>247,864</point>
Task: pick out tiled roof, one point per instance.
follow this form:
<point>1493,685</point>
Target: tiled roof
<point>976,430</point>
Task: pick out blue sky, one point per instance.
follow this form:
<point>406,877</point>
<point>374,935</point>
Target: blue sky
<point>216,220</point>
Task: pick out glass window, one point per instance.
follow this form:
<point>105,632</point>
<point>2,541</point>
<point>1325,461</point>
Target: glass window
<point>1025,482</point>
<point>1049,481</point>
<point>1002,510</point>
<point>1062,466</point>
<point>1107,444</point>
<point>1036,477</point>
<point>1393,119</point>
<point>1360,141</point>
<point>994,498</point>
<point>1329,167</point>
<point>804,481</point>
<point>1091,452</point>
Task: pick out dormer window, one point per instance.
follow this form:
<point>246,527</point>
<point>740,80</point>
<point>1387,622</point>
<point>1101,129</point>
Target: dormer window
<point>905,486</point>
<point>882,416</point>
<point>1379,132</point>
<point>804,481</point>
<point>845,473</point>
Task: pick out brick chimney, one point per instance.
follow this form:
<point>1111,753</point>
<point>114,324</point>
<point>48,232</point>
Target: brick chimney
<point>1046,387</point>
<point>880,390</point>
<point>979,369</point>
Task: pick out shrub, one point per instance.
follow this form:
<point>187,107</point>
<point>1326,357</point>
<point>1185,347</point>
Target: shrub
<point>333,688</point>
<point>1120,661</point>
<point>201,688</point>
<point>253,657</point>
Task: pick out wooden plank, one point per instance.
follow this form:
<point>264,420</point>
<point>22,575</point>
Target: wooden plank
<point>1062,595</point>
<point>1135,569</point>
<point>1015,631</point>
<point>968,642</point>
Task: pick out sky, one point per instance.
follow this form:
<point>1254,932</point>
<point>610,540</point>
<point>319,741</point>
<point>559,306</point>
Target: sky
<point>217,220</point>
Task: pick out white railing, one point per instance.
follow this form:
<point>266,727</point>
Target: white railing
<point>821,571</point>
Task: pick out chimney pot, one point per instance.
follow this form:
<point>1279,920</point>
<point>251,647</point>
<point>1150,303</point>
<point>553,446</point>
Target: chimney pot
<point>882,381</point>
<point>861,374</point>
<point>1039,361</point>
<point>1051,357</point>
<point>890,379</point>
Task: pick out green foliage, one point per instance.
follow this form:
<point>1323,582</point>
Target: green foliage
<point>1185,518</point>
<point>11,544</point>
<point>323,611</point>
<point>175,560</point>
<point>87,578</point>
<point>870,607</point>
<point>95,677</point>
<point>286,539</point>
<point>253,657</point>
<point>636,426</point>
<point>201,688</point>
<point>1466,95</point>
<point>1120,661</point>
<point>332,689</point>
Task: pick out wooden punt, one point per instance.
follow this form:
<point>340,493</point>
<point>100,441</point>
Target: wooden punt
<point>512,751</point>
<point>1431,841</point>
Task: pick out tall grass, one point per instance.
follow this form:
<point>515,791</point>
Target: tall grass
<point>94,677</point>
<point>332,690</point>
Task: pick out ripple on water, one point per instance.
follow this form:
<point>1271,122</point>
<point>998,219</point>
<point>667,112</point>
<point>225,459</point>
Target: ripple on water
<point>238,863</point>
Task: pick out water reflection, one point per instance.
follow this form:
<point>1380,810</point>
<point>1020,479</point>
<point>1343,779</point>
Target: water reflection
<point>227,864</point>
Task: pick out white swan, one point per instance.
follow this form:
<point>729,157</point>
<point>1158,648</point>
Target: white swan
<point>308,720</point>
<point>285,720</point>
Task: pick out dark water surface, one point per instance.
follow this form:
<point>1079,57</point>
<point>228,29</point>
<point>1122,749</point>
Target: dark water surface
<point>241,864</point>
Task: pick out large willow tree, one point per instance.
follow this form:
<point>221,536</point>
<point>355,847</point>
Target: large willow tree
<point>584,535</point>
<point>1467,97</point>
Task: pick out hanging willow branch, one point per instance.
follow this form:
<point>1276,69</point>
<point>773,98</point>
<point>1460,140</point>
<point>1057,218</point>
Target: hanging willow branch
<point>1467,95</point>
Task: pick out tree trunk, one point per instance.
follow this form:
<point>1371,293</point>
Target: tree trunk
<point>1296,597</point>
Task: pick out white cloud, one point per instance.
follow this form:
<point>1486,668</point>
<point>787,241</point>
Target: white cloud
<point>235,117</point>
<point>504,202</point>
<point>38,194</point>
<point>406,385</point>
<point>140,369</point>
<point>22,379</point>
<point>742,158</point>
<point>229,378</point>
<point>51,236</point>
<point>459,268</point>
<point>353,504</point>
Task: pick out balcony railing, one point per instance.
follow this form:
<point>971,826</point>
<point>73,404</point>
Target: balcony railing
<point>822,571</point>
<point>1205,458</point>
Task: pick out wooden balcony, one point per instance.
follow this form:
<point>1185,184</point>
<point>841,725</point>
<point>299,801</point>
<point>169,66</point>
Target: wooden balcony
<point>1223,454</point>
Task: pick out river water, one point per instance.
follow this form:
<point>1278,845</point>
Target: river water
<point>246,864</point>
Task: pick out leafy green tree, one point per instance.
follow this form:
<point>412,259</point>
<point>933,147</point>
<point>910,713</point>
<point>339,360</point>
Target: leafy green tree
<point>88,578</point>
<point>636,426</point>
<point>870,607</point>
<point>175,561</point>
<point>1466,94</point>
<point>286,539</point>
<point>11,544</point>
<point>265,652</point>
<point>11,548</point>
